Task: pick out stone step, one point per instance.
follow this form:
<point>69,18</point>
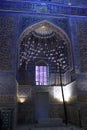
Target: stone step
<point>50,122</point>
<point>49,128</point>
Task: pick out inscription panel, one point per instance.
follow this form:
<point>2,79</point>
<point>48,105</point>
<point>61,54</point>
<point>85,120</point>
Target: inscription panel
<point>43,8</point>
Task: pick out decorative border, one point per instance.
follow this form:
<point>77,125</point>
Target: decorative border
<point>43,8</point>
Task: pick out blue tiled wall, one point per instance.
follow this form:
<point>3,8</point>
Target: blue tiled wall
<point>73,2</point>
<point>13,23</point>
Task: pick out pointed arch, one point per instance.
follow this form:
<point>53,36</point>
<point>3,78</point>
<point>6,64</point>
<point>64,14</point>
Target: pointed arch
<point>44,30</point>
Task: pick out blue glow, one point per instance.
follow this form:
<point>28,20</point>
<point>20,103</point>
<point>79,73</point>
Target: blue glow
<point>72,2</point>
<point>45,8</point>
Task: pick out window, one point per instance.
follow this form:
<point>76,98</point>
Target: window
<point>41,75</point>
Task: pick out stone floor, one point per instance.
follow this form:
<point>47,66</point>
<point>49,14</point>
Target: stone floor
<point>49,128</point>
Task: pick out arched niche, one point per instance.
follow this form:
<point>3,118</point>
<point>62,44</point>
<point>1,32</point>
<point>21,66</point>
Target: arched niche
<point>46,42</point>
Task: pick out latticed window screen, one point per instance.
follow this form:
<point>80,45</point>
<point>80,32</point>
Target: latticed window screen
<point>41,75</point>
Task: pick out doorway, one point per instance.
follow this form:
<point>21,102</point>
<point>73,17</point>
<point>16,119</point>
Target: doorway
<point>41,105</point>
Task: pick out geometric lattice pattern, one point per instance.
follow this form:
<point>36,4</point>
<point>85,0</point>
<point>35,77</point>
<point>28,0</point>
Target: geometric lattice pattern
<point>44,43</point>
<point>6,117</point>
<point>24,90</point>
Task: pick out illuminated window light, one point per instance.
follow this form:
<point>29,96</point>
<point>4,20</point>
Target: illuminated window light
<point>41,75</point>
